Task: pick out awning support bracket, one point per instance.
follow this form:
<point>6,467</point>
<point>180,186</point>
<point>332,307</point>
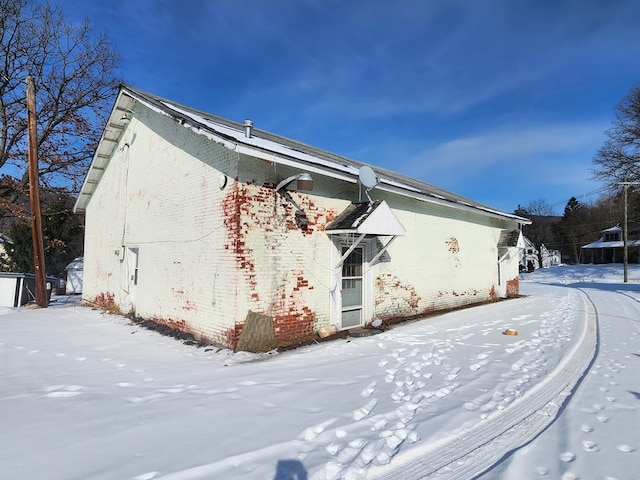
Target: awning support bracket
<point>349,250</point>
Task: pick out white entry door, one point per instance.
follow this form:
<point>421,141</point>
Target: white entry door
<point>352,288</point>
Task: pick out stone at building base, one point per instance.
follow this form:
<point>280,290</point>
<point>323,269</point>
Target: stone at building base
<point>257,334</point>
<point>363,332</point>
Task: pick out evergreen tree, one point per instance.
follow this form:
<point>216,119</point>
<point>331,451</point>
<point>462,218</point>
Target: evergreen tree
<point>573,229</point>
<point>63,236</point>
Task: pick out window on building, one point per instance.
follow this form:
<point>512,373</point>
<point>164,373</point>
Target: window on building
<point>612,237</point>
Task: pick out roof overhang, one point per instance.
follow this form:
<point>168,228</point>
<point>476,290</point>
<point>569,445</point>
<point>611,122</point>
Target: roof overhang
<point>268,147</point>
<point>110,139</point>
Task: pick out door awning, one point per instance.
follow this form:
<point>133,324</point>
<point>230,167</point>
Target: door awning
<point>509,239</point>
<point>374,218</point>
<point>364,219</point>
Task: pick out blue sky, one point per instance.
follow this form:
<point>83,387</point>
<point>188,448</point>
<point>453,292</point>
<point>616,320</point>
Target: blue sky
<point>502,101</point>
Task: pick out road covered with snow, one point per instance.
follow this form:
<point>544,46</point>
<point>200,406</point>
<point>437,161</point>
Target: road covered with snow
<point>89,395</point>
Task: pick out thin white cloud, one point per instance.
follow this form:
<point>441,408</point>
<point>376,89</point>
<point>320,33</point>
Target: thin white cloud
<point>513,145</point>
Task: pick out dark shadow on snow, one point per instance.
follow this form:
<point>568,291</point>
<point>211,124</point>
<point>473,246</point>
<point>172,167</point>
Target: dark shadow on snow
<point>290,470</point>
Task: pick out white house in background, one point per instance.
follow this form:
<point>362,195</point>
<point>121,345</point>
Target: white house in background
<point>194,221</point>
<point>530,256</point>
<point>550,258</point>
<point>529,260</point>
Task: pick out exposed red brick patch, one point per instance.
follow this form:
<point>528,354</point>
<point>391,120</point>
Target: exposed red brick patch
<point>292,319</point>
<point>513,287</point>
<point>174,328</point>
<point>493,295</point>
<point>232,335</point>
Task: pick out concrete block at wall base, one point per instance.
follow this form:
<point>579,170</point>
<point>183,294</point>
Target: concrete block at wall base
<point>327,331</point>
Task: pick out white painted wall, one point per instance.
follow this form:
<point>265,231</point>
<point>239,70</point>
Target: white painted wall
<point>163,198</point>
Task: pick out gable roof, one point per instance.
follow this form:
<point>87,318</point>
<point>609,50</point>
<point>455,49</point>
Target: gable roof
<point>267,146</point>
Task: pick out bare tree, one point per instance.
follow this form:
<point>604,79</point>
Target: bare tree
<point>74,70</point>
<point>618,160</point>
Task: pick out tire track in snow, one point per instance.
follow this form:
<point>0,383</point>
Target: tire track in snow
<point>488,441</point>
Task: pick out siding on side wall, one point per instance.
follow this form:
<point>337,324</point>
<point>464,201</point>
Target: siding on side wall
<point>446,259</point>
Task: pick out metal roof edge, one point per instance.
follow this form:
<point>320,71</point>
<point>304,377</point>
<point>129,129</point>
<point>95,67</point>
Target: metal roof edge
<point>292,153</point>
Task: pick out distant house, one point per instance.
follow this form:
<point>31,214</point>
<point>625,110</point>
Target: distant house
<point>529,260</point>
<point>530,257</point>
<point>196,221</point>
<point>609,248</point>
<point>550,258</point>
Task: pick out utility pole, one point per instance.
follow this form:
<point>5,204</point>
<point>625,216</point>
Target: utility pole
<point>34,198</point>
<point>625,237</point>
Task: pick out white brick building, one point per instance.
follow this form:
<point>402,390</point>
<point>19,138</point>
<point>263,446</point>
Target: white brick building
<point>186,225</point>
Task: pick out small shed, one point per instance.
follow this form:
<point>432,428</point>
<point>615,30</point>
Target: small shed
<point>17,289</point>
<point>74,276</point>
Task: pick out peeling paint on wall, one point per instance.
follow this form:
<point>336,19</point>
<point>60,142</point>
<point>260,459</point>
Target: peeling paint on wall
<point>292,319</point>
<point>250,209</point>
<point>395,298</point>
<point>493,294</point>
<point>454,249</point>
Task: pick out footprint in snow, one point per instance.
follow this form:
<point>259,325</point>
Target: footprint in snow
<point>590,446</point>
<point>247,383</point>
<point>63,391</point>
<point>146,476</point>
<point>311,433</point>
<point>626,448</point>
<point>350,452</point>
<point>569,476</point>
<point>567,457</point>
<point>369,390</point>
<point>391,375</point>
<point>379,425</point>
<point>332,448</point>
<point>477,366</point>
<point>362,412</point>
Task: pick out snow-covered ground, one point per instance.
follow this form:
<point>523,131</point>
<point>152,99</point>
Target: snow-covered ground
<point>86,395</point>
